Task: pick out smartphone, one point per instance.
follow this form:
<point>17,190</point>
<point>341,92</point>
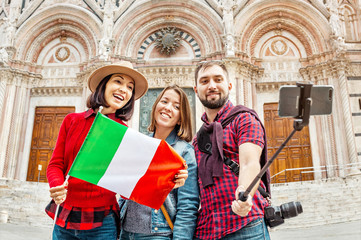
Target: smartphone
<point>289,101</point>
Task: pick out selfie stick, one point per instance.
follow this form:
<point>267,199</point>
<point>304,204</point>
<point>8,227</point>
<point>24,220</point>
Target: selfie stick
<point>304,108</point>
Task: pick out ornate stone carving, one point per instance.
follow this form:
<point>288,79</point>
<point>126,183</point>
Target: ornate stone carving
<point>62,53</point>
<point>164,76</point>
<point>279,47</point>
<point>334,20</point>
<point>355,70</point>
<point>345,101</point>
<point>272,86</point>
<point>168,40</point>
<point>56,91</point>
<point>227,7</point>
<point>106,42</point>
<point>4,57</point>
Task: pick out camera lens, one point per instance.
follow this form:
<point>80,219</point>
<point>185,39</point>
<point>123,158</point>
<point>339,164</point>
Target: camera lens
<point>291,209</point>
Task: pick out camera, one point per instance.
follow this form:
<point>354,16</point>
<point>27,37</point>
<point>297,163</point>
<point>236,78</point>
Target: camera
<point>275,215</point>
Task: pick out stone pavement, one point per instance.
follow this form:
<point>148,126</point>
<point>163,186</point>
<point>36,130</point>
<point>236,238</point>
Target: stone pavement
<point>337,231</point>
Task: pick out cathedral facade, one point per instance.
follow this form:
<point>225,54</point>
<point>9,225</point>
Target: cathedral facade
<point>48,48</point>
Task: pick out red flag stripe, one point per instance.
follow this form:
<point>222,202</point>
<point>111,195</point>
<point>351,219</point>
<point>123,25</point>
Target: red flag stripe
<point>157,175</point>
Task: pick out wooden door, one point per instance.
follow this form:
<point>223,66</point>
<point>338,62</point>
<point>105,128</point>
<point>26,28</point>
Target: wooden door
<point>296,154</point>
<point>47,123</point>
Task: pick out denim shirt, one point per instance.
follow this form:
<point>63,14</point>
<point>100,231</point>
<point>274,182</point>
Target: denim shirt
<point>181,203</point>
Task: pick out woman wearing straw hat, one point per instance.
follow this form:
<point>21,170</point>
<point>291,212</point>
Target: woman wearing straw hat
<point>87,211</point>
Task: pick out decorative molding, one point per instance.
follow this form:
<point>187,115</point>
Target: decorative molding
<point>168,40</point>
<point>271,86</point>
<point>279,47</point>
<point>18,77</point>
<point>56,91</point>
<point>355,72</point>
<point>62,53</point>
<point>159,77</point>
<point>157,35</point>
<point>58,82</point>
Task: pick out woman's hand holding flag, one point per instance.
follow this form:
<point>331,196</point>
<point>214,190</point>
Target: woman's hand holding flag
<point>181,177</point>
<point>58,193</point>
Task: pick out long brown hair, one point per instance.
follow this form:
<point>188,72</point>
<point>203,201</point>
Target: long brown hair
<point>184,130</point>
<point>97,99</point>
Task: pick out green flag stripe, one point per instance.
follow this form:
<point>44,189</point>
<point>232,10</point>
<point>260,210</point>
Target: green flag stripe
<point>98,149</point>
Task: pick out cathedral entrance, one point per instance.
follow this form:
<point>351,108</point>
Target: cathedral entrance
<point>47,122</point>
<point>294,162</point>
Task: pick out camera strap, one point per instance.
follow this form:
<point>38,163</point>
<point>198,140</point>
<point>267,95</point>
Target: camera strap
<point>205,146</point>
<point>234,166</point>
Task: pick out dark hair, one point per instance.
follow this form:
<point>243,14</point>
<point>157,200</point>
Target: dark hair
<point>184,130</point>
<point>97,99</point>
<point>208,64</point>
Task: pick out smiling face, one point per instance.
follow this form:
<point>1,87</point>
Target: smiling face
<point>118,91</point>
<point>212,87</point>
<point>167,111</point>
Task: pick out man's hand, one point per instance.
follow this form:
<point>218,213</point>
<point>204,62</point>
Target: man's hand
<point>241,208</point>
<point>58,194</point>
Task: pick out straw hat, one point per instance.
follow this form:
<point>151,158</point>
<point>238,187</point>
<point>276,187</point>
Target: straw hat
<point>124,67</point>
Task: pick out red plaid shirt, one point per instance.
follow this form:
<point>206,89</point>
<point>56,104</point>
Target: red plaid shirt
<point>80,218</point>
<point>216,218</point>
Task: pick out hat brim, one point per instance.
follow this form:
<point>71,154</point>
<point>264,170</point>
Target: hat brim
<point>140,82</point>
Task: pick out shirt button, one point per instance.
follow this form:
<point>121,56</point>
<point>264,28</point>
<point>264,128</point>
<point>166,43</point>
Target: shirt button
<point>156,229</point>
<point>155,211</point>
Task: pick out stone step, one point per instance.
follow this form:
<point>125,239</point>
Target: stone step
<point>324,201</point>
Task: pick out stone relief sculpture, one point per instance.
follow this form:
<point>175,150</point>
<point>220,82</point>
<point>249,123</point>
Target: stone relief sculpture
<point>337,38</point>
<point>105,44</point>
<point>108,20</point>
<point>10,32</point>
<point>11,22</point>
<point>334,20</point>
<point>227,7</point>
<point>4,57</point>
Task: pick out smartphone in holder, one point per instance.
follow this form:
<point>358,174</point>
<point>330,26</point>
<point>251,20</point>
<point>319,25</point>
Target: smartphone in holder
<point>289,105</point>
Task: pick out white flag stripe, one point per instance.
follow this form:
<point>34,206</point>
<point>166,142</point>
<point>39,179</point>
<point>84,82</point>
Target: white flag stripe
<point>126,169</point>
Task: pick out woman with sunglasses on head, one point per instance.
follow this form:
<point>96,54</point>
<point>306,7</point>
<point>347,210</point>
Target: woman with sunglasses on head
<point>87,211</point>
<point>171,121</point>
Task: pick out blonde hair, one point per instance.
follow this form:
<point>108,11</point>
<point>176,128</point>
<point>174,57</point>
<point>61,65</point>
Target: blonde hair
<point>184,130</point>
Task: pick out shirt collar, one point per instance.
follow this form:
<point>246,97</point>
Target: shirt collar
<point>222,112</point>
<point>172,137</point>
<point>91,112</point>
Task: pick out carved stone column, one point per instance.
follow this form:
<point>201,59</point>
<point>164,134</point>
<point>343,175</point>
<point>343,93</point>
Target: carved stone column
<point>20,110</point>
<point>231,65</point>
<point>346,111</point>
<point>4,117</point>
<point>6,120</point>
<point>324,137</point>
<point>327,126</point>
<point>242,75</point>
<point>14,108</point>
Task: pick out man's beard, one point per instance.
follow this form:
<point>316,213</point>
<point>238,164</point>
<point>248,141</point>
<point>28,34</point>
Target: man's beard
<point>214,104</point>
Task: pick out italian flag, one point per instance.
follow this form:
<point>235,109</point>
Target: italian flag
<point>127,162</point>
